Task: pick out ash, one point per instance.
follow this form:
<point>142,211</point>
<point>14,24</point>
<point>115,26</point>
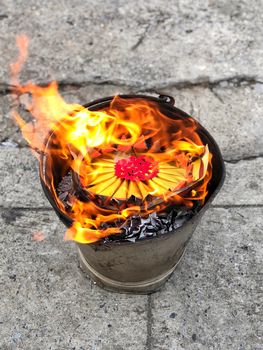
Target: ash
<point>155,224</point>
<point>136,227</point>
<point>66,191</point>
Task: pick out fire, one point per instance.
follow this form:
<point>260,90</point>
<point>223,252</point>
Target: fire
<point>129,149</point>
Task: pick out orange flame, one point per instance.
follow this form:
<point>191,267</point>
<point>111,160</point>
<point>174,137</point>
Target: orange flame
<point>91,143</point>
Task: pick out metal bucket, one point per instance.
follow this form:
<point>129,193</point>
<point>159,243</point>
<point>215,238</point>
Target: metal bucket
<point>144,265</point>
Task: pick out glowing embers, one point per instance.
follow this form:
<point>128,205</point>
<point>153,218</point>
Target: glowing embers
<point>133,168</point>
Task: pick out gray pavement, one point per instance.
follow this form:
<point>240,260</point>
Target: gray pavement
<point>208,55</point>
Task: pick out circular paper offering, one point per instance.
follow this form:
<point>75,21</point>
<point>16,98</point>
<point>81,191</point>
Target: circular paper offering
<point>122,176</point>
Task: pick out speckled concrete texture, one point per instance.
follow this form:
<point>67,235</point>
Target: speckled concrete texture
<point>209,56</point>
<point>145,43</point>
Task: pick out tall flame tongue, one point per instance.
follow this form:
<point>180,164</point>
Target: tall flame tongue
<point>127,150</point>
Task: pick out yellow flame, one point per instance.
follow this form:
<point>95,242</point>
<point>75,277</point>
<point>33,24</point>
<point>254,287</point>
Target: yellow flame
<point>90,142</point>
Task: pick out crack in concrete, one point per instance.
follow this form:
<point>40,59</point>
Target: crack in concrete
<point>217,96</point>
<point>233,81</point>
<point>149,342</point>
<point>37,209</point>
<point>245,158</point>
<point>236,81</point>
<point>232,206</point>
<point>141,38</point>
<point>5,89</point>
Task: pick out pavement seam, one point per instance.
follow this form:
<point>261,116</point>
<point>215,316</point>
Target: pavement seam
<point>149,322</point>
<point>230,206</point>
<point>27,208</point>
<point>236,80</point>
<point>245,158</point>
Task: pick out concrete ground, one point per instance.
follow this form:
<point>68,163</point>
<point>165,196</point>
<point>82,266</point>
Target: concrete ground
<point>209,56</point>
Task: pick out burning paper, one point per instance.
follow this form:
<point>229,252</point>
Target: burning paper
<point>125,159</point>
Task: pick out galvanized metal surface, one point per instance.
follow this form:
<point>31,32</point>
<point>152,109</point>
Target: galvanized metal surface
<point>141,266</point>
<point>144,287</point>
